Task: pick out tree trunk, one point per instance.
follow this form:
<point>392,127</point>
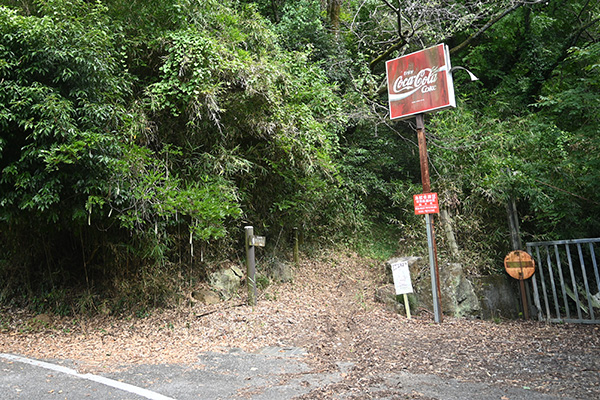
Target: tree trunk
<point>447,224</point>
<point>275,6</point>
<point>333,14</point>
<point>513,224</point>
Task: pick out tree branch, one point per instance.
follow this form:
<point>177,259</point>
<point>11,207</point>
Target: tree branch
<point>401,42</point>
<point>484,28</point>
<point>391,6</point>
<point>563,54</point>
<point>491,22</point>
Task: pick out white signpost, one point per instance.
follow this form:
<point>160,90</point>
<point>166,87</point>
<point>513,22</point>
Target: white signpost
<point>402,282</point>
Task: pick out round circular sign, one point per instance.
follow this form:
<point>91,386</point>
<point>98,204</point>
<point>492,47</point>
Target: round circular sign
<point>519,264</point>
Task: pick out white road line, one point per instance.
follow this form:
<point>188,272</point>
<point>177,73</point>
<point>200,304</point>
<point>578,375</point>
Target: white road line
<point>95,378</point>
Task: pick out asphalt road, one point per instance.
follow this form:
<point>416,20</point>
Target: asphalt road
<point>272,374</point>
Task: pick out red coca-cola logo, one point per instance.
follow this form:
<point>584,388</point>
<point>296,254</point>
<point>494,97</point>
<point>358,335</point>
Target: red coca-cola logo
<point>410,82</point>
<point>419,82</point>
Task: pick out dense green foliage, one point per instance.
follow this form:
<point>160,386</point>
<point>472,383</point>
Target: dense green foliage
<point>533,122</point>
<point>132,132</point>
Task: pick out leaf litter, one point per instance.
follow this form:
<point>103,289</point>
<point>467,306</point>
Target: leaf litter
<point>328,309</point>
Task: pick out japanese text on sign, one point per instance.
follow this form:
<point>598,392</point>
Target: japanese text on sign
<point>426,203</point>
<point>401,275</point>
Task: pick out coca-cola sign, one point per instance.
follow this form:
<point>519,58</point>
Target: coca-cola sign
<point>420,82</point>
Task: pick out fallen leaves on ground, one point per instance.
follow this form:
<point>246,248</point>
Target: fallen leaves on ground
<point>328,309</point>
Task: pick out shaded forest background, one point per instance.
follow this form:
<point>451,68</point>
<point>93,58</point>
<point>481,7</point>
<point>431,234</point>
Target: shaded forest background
<point>139,137</point>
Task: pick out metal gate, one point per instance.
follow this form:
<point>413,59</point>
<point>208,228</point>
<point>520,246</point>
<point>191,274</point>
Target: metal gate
<point>566,280</point>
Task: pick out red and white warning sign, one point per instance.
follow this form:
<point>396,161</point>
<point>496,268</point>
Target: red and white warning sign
<point>426,203</point>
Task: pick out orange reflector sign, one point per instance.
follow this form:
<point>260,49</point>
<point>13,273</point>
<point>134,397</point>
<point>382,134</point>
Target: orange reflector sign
<point>519,264</point>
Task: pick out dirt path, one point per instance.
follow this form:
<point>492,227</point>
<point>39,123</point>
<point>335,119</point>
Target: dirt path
<point>329,310</point>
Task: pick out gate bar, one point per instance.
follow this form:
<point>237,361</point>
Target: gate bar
<point>585,282</point>
<point>575,291</point>
<point>537,252</point>
<point>593,253</point>
<point>562,282</point>
<point>554,295</point>
<point>570,241</point>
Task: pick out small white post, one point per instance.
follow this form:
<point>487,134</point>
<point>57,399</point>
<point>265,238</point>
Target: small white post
<point>407,306</point>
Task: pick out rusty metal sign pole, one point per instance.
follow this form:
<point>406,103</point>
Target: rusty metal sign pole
<point>433,264</point>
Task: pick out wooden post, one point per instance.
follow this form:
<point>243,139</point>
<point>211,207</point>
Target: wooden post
<point>407,306</point>
<point>250,266</point>
<point>296,256</point>
<point>435,273</point>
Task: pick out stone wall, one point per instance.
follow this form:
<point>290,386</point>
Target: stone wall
<point>499,296</point>
<point>486,297</point>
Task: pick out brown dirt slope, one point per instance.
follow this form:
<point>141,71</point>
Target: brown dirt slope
<point>328,309</point>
